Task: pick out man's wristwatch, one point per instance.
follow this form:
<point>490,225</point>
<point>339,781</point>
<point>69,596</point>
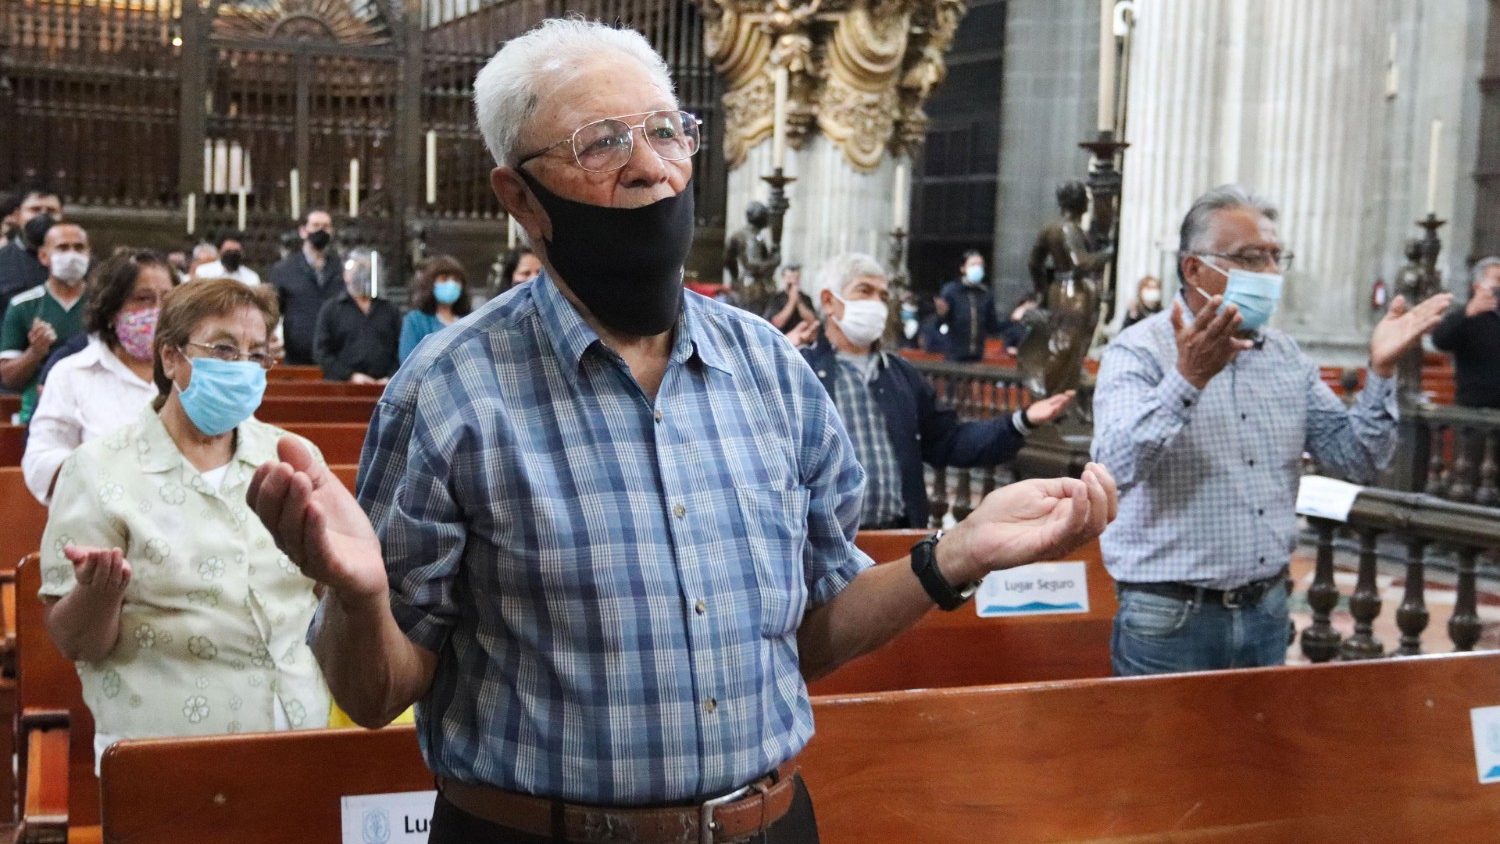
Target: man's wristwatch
<point>924,565</point>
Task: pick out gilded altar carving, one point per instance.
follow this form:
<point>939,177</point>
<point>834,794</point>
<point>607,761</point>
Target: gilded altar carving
<point>860,71</point>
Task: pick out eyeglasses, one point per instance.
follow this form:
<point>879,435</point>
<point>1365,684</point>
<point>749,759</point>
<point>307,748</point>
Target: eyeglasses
<point>605,146</point>
<point>144,299</point>
<point>1256,259</point>
<point>231,354</point>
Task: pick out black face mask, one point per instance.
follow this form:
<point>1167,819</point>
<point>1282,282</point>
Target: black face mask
<point>231,259</point>
<point>624,264</point>
<point>35,230</point>
<point>319,240</point>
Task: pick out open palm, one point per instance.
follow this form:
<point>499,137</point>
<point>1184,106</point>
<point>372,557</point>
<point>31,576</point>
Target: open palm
<point>1036,520</point>
<point>1403,326</point>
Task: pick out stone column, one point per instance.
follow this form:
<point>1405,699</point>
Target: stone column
<point>860,72</point>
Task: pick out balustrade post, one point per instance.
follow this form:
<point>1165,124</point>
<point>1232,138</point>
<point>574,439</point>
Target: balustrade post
<point>1412,615</point>
<point>1461,488</point>
<point>938,501</point>
<point>1437,468</point>
<point>1487,495</point>
<point>1464,627</point>
<point>1320,642</point>
<point>1364,604</point>
<point>963,495</point>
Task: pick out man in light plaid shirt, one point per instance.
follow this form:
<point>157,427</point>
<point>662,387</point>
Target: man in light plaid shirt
<point>1203,414</point>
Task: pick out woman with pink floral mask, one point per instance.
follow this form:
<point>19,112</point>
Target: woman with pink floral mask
<point>103,385</point>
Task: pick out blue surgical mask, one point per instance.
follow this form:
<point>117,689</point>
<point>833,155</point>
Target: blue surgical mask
<point>222,394</point>
<point>446,292</point>
<point>1255,294</point>
<point>974,275</point>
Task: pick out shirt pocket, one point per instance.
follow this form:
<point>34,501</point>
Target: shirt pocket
<point>775,530</point>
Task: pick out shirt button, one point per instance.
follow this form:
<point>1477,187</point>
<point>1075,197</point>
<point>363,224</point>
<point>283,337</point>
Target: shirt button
<point>656,416</point>
<point>1262,560</point>
<point>679,511</point>
<point>1244,416</point>
<point>712,705</point>
<point>700,607</point>
<point>1252,462</point>
<point>1260,511</point>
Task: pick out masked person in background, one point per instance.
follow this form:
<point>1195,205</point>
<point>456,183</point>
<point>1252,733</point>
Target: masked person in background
<point>182,616</point>
<point>966,308</point>
<point>605,499</point>
<point>305,279</point>
<point>1147,301</point>
<point>230,263</point>
<point>102,387</point>
<point>44,316</point>
<point>1203,413</point>
<point>357,334</point>
<point>441,298</point>
<point>20,263</point>
<point>890,410</point>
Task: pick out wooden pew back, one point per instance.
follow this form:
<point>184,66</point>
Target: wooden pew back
<point>959,648</point>
<point>1372,751</point>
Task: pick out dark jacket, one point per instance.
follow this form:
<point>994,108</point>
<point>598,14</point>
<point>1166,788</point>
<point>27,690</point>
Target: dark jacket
<point>1474,342</point>
<point>19,270</point>
<point>921,429</point>
<point>971,318</point>
<point>302,293</point>
<point>349,340</point>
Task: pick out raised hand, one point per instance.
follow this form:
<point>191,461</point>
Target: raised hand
<point>102,573</point>
<point>1402,328</point>
<point>804,334</point>
<point>1210,343</point>
<point>1030,521</point>
<point>1049,408</point>
<point>1483,301</point>
<point>317,523</point>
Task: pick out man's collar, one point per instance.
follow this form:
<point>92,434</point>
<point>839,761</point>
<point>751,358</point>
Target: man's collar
<point>570,336</point>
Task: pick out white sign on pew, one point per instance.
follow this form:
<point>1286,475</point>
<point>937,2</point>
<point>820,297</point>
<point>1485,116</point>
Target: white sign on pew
<point>401,817</point>
<point>1486,722</point>
<point>1037,589</point>
<point>1326,498</point>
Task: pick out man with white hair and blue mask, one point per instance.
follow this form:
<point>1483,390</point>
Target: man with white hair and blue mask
<point>891,412</point>
<point>604,529</point>
<point>1203,412</point>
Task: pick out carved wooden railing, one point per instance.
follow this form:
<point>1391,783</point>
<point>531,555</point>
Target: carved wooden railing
<point>1452,453</point>
<point>1432,533</point>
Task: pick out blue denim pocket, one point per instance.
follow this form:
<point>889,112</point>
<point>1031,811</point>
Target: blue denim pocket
<point>1152,616</point>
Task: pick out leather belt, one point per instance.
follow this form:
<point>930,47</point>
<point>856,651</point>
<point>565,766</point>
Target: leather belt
<point>733,817</point>
<point>1242,596</point>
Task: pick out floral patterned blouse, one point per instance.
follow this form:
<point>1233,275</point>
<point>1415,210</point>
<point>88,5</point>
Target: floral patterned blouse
<point>212,628</point>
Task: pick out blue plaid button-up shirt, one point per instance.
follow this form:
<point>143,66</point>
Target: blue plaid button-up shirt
<point>1208,479</point>
<point>613,585</point>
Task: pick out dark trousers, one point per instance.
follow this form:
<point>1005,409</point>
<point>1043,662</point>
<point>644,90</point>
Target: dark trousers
<point>452,825</point>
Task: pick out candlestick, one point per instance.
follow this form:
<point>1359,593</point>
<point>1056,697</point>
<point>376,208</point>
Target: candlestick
<point>241,219</point>
<point>294,187</point>
<point>192,212</point>
<point>1432,165</point>
<point>354,187</point>
<point>431,167</point>
<point>778,125</point>
<point>1106,65</point>
<point>510,232</point>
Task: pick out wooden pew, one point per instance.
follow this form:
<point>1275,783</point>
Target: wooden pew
<point>292,372</point>
<point>323,389</point>
<point>59,793</point>
<point>962,649</point>
<point>284,410</point>
<point>1379,751</point>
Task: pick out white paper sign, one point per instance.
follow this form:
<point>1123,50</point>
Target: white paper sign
<point>1326,498</point>
<point>402,817</point>
<point>1037,589</point>
<point>1486,722</point>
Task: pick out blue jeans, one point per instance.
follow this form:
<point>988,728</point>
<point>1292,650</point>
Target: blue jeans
<point>1155,634</point>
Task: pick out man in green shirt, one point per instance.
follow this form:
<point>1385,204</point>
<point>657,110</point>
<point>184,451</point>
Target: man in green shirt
<point>44,316</point>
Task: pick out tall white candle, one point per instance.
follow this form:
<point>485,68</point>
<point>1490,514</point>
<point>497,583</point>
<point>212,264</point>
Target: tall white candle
<point>354,187</point>
<point>778,118</point>
<point>1432,165</point>
<point>374,274</point>
<point>192,212</point>
<point>510,232</point>
<point>294,187</point>
<point>1106,65</point>
<point>241,219</point>
<point>898,196</point>
<point>431,167</point>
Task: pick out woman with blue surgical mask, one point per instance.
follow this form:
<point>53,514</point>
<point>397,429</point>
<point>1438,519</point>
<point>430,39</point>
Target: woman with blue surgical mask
<point>440,298</point>
<point>171,597</point>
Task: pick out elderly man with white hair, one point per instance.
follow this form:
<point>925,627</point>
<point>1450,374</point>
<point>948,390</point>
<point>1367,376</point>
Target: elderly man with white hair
<point>604,528</point>
<point>891,412</point>
<point>1204,412</point>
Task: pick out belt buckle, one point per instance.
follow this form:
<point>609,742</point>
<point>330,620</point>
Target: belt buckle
<point>1234,598</point>
<point>706,822</point>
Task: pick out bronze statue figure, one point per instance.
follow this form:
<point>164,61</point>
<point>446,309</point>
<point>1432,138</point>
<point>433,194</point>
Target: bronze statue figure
<point>751,257</point>
<point>1066,268</point>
